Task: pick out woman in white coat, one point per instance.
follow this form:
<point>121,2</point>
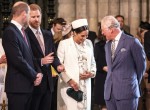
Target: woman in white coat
<point>3,67</point>
<point>76,53</point>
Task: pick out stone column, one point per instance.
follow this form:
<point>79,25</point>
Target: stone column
<point>124,10</point>
<point>81,9</point>
<point>102,9</point>
<point>66,10</point>
<point>144,10</point>
<point>92,15</point>
<point>134,15</point>
<point>113,7</point>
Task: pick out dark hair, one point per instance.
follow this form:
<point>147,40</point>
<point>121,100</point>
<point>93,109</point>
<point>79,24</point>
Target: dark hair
<point>80,29</point>
<point>60,21</point>
<point>119,16</point>
<point>144,25</point>
<point>18,9</point>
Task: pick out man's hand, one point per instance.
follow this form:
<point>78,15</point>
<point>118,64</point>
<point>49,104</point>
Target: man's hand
<point>73,84</point>
<point>48,59</point>
<point>38,79</point>
<point>105,68</point>
<point>60,68</point>
<point>3,59</point>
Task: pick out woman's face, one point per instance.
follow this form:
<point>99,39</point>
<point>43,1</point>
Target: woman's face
<point>80,37</point>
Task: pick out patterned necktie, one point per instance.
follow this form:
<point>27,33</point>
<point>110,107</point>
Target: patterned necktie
<point>112,49</point>
<point>24,35</point>
<point>38,35</point>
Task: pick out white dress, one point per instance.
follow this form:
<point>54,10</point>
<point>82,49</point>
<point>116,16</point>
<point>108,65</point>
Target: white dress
<point>3,68</point>
<point>71,58</point>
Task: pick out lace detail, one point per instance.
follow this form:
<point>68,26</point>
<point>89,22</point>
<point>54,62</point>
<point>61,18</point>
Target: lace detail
<point>82,61</point>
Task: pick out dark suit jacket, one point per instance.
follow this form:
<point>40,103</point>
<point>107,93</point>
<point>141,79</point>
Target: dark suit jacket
<point>92,36</point>
<point>126,71</point>
<point>147,48</point>
<point>99,54</point>
<point>47,82</point>
<point>20,72</point>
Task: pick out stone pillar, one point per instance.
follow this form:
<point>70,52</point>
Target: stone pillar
<point>92,15</point>
<point>81,9</point>
<point>102,9</point>
<point>124,10</point>
<point>113,7</point>
<point>66,10</point>
<point>134,16</point>
<point>144,10</point>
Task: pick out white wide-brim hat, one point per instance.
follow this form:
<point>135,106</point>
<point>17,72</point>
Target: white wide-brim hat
<point>79,23</point>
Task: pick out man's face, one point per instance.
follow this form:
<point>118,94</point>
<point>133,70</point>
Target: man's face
<point>35,19</point>
<point>121,21</point>
<point>107,33</point>
<point>57,28</point>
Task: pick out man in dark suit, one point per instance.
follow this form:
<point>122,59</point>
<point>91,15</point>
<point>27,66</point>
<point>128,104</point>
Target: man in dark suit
<point>126,63</point>
<point>44,51</point>
<point>21,76</point>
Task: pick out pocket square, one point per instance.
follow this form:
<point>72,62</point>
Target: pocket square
<point>123,50</point>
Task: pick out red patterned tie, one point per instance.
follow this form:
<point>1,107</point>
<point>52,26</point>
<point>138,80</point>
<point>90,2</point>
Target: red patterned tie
<point>24,35</point>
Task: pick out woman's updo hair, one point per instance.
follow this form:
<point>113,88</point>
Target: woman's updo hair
<point>79,25</point>
<point>80,29</point>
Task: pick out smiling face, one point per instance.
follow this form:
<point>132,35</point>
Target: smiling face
<point>35,19</point>
<point>80,37</point>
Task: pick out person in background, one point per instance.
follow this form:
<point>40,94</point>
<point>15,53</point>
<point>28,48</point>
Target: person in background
<point>101,73</point>
<point>44,51</point>
<point>76,53</point>
<point>126,64</point>
<point>143,103</point>
<point>21,76</point>
<point>56,30</point>
<point>67,31</point>
<point>123,27</point>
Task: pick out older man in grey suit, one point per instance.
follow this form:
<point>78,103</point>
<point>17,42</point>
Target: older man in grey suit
<point>126,64</point>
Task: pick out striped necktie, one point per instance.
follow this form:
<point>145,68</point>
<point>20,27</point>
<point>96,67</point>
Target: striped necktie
<point>112,49</point>
<point>24,35</point>
<point>38,36</point>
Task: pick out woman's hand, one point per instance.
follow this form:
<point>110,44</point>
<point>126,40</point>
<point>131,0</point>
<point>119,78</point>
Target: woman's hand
<point>86,75</point>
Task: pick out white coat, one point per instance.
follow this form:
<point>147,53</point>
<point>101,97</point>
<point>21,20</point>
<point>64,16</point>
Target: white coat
<point>3,69</point>
<point>68,55</point>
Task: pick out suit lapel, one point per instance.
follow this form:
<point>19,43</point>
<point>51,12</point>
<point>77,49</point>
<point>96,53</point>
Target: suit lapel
<point>108,53</point>
<point>34,39</point>
<point>119,46</point>
<point>22,39</point>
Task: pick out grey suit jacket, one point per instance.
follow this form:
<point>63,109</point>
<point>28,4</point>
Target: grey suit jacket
<point>126,70</point>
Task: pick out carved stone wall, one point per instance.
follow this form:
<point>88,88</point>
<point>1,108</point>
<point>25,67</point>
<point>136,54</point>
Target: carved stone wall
<point>94,10</point>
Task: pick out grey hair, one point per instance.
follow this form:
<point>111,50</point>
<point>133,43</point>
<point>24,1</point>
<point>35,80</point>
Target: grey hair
<point>110,22</point>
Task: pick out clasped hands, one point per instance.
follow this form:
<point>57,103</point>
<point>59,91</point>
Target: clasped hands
<point>3,59</point>
<point>38,79</point>
<point>86,75</point>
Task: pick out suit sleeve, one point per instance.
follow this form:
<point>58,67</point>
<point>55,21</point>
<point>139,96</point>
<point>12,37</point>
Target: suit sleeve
<point>61,56</point>
<point>14,54</point>
<point>139,58</point>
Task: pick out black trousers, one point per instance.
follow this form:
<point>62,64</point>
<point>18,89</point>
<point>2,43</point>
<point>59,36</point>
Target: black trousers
<point>19,101</point>
<point>54,94</point>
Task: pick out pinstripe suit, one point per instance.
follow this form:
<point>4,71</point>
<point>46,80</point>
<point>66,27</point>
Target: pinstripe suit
<point>124,74</point>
